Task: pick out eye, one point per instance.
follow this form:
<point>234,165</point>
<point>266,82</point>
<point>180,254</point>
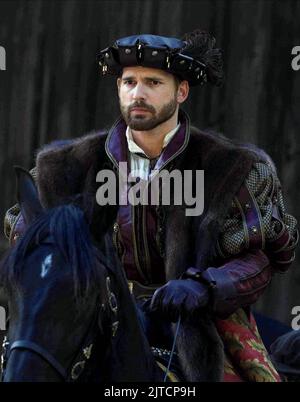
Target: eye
<point>129,82</point>
<point>155,83</point>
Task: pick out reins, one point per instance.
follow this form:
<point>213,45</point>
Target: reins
<point>173,348</point>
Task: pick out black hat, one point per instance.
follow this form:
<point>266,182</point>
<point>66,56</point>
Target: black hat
<point>285,353</point>
<point>193,58</point>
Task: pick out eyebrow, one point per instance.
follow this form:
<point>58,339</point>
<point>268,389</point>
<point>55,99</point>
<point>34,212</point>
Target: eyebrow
<point>153,78</point>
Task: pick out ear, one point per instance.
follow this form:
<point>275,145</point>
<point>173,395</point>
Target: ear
<point>119,80</point>
<point>183,91</point>
<point>27,195</point>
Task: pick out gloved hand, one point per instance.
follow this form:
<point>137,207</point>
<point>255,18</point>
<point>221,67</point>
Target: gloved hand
<point>180,297</point>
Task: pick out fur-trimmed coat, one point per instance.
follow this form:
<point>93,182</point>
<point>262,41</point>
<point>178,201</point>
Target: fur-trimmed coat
<point>70,169</point>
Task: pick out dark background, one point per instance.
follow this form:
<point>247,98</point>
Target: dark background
<point>51,88</point>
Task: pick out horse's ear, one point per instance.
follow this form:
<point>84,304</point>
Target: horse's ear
<point>27,195</point>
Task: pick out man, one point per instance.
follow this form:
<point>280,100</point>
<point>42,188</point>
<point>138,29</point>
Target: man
<point>202,271</point>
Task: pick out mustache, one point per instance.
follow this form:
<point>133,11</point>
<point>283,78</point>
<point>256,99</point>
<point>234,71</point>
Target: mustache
<point>141,104</point>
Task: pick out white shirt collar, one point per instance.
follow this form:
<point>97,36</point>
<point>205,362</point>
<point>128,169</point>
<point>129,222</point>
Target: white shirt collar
<point>134,148</point>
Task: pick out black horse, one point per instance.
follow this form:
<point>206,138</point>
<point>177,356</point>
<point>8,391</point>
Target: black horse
<point>71,315</point>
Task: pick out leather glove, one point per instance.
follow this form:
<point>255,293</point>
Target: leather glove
<point>182,297</point>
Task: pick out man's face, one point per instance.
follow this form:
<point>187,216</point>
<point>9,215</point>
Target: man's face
<point>148,97</point>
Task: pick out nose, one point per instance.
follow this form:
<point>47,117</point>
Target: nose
<point>138,91</point>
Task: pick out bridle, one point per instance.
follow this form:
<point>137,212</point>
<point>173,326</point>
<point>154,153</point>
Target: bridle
<point>82,358</point>
<point>78,364</point>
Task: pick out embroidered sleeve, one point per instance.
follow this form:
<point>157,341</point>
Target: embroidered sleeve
<point>258,220</point>
<point>12,214</point>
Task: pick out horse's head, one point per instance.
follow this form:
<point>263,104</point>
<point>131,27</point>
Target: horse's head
<point>56,287</point>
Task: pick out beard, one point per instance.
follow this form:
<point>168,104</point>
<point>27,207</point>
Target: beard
<point>147,121</point>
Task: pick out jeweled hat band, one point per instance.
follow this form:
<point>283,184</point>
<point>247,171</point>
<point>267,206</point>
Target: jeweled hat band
<point>155,52</point>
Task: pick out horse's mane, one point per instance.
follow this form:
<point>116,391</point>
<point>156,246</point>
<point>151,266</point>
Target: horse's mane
<point>69,231</point>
